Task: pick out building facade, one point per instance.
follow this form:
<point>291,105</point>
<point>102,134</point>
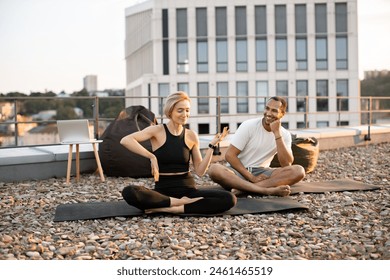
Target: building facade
<point>232,55</point>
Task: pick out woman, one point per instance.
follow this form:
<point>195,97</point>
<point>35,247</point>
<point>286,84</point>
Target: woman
<point>173,146</point>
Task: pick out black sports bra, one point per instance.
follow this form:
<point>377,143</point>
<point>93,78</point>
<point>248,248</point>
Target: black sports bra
<point>174,155</point>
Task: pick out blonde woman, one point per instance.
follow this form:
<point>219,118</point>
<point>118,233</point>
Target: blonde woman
<point>173,146</point>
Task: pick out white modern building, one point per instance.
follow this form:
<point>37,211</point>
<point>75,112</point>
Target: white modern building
<point>242,52</point>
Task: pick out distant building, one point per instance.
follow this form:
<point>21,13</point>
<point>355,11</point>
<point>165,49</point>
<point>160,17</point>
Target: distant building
<point>90,83</point>
<point>246,49</point>
<point>45,115</point>
<point>40,135</point>
<point>8,129</point>
<point>7,110</point>
<point>101,94</point>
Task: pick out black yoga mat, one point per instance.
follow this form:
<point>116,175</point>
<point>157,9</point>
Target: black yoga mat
<point>99,210</point>
<point>339,185</point>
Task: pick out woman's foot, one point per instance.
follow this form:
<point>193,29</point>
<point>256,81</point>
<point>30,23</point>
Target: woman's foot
<point>172,210</point>
<point>184,200</point>
<point>177,205</point>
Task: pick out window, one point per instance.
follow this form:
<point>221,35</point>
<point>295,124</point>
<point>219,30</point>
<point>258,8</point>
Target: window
<point>343,123</point>
<point>321,53</point>
<point>320,19</point>
<point>301,125</point>
<point>182,57</point>
<point>322,96</point>
<point>203,128</point>
<point>281,54</point>
<point>220,22</point>
<point>302,92</point>
<point>321,37</point>
<point>240,21</point>
<point>341,18</point>
<point>301,37</point>
<point>203,103</point>
<point>261,38</point>
<point>201,45</point>
<point>261,55</point>
<point>301,53</point>
<point>282,90</point>
<point>181,23</point>
<point>280,19</point>
<point>165,57</point>
<point>182,43</point>
<point>221,43</point>
<point>222,55</point>
<point>163,91</point>
<point>262,95</point>
<point>300,19</point>
<point>321,124</point>
<point>223,125</point>
<point>241,40</point>
<point>341,52</point>
<point>202,56</point>
<point>201,22</point>
<point>342,91</point>
<point>281,38</point>
<point>241,55</point>
<point>260,20</point>
<point>223,91</point>
<point>183,87</point>
<point>341,36</point>
<point>242,100</point>
<point>165,43</point>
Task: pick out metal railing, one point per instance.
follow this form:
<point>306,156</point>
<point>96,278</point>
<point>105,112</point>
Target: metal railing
<point>215,110</point>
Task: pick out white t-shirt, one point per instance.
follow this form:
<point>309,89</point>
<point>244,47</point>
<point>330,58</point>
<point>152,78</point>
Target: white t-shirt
<point>257,145</point>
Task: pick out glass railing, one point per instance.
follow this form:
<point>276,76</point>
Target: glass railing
<point>31,121</point>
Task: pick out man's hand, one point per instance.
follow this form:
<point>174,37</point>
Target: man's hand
<point>258,178</point>
<point>275,126</point>
<point>220,136</point>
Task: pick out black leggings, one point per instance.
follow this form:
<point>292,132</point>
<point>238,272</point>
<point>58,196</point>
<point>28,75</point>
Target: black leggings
<point>214,201</point>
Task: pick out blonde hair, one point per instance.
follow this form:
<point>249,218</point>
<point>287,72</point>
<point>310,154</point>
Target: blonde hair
<point>172,100</point>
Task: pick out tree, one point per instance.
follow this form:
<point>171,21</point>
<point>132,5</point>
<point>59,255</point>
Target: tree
<point>66,113</point>
<point>378,86</point>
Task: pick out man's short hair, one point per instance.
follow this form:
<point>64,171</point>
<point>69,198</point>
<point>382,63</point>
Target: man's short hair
<point>283,108</point>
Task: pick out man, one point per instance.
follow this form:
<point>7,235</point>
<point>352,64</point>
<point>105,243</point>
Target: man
<point>251,151</point>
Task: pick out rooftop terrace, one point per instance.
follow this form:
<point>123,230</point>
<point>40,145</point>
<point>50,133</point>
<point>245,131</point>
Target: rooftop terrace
<point>337,226</point>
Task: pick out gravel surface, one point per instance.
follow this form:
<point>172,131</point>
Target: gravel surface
<point>345,225</point>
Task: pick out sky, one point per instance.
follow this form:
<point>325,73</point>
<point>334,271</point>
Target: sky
<point>51,45</point>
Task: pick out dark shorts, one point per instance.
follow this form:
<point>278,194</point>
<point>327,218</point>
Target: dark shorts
<point>255,171</point>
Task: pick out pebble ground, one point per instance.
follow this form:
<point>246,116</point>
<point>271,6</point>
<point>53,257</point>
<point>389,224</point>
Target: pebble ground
<point>344,225</point>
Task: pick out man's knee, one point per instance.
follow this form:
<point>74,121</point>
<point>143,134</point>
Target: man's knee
<point>214,171</point>
<point>299,171</point>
